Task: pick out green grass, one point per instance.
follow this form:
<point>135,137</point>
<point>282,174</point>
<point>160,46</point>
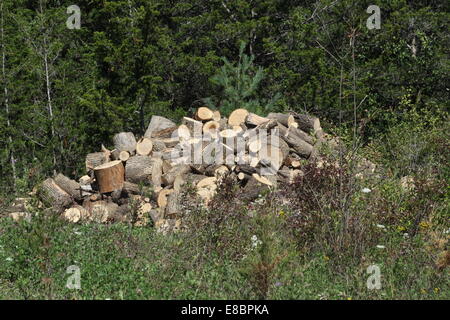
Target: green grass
<point>119,262</point>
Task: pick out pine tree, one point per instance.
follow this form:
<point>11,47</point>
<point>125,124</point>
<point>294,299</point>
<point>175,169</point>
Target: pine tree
<point>239,83</point>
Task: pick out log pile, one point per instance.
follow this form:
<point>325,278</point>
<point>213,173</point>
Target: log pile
<point>140,179</point>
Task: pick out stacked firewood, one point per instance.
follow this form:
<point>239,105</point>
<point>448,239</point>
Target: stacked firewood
<point>141,179</point>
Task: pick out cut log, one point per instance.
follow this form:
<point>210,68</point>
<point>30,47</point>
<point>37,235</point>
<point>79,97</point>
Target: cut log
<point>179,170</point>
<point>282,118</point>
<point>206,195</point>
<point>115,154</point>
<point>103,211</point>
<point>253,189</point>
<point>291,123</point>
<point>229,133</point>
<point>194,126</point>
<point>300,146</point>
<point>237,117</point>
<point>254,145</point>
<point>206,182</point>
<point>95,159</point>
<point>255,120</point>
<point>301,134</point>
<point>243,176</point>
<point>216,115</point>
<point>68,185</point>
<point>272,157</point>
<point>211,128</point>
<point>307,123</point>
<point>162,197</point>
<point>262,179</point>
<point>156,214</point>
<point>72,215</point>
<point>125,141</point>
<point>124,156</point>
<point>166,166</point>
<point>53,195</point>
<point>144,146</point>
<point>179,181</point>
<point>110,176</point>
<point>237,129</point>
<point>139,169</point>
<point>144,208</point>
<point>165,133</point>
<point>157,169</point>
<point>158,145</point>
<point>204,114</point>
<point>293,161</point>
<point>85,180</point>
<point>173,208</point>
<point>158,123</point>
<point>183,132</point>
<point>130,188</point>
<point>245,168</point>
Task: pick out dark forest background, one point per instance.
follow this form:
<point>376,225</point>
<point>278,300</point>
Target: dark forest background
<point>65,92</point>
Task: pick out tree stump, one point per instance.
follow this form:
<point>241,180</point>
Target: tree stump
<point>110,176</point>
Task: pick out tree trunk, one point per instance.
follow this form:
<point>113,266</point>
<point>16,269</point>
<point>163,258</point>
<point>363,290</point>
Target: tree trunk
<point>6,100</point>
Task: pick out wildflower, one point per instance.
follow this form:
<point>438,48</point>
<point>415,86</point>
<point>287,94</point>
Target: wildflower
<point>326,258</point>
<point>9,259</point>
<point>424,225</point>
<point>400,228</point>
<point>436,290</point>
<point>278,284</point>
<point>281,213</point>
<point>380,247</point>
<point>349,298</point>
<point>381,226</point>
<point>366,190</point>
<point>406,235</point>
<point>255,241</point>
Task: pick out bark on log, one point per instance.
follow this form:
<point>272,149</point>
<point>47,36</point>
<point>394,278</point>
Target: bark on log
<point>138,169</point>
<point>300,146</point>
<point>255,120</point>
<point>282,118</point>
<point>110,176</point>
<point>157,169</point>
<point>158,123</point>
<point>194,126</point>
<point>169,178</point>
<point>68,185</point>
<point>95,159</point>
<point>173,207</point>
<point>253,189</point>
<point>53,195</point>
<point>125,141</point>
<point>165,133</point>
<point>307,123</point>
